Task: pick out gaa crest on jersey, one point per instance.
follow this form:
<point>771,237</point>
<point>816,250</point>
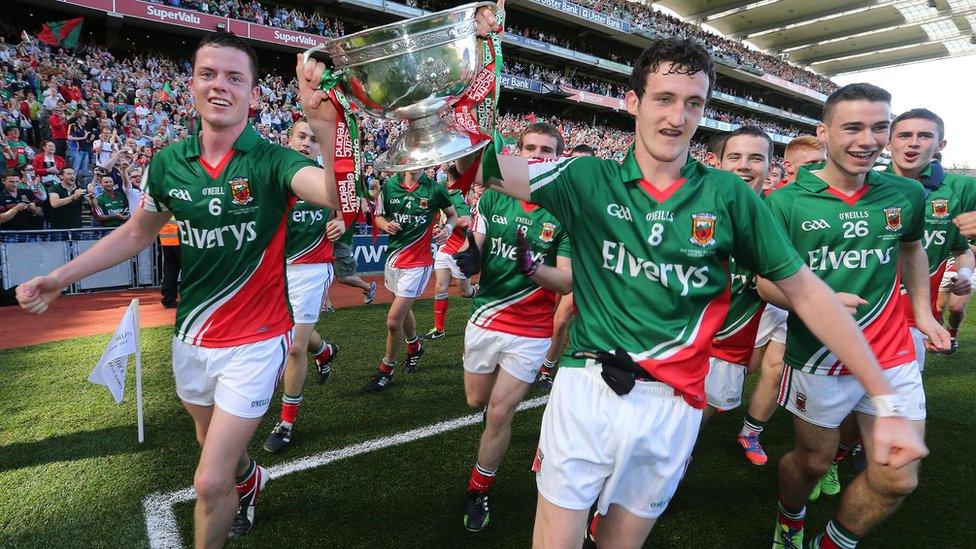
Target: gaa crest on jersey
<point>703,229</point>
<point>548,231</point>
<point>423,203</point>
<point>892,218</point>
<point>940,208</point>
<point>240,191</point>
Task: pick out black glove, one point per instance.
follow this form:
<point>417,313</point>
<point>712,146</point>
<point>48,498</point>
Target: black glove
<point>619,370</point>
<point>469,260</point>
<point>526,265</point>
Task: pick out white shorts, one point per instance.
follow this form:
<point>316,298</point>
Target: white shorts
<point>240,380</point>
<point>723,384</point>
<point>520,356</point>
<point>628,450</point>
<point>446,261</point>
<point>409,282</point>
<point>307,283</point>
<point>919,339</point>
<point>772,326</point>
<point>826,400</point>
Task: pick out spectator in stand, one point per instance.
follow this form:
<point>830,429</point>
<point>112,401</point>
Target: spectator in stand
<point>16,152</point>
<point>48,165</point>
<point>79,144</point>
<point>58,126</point>
<point>66,200</point>
<point>19,208</point>
<point>105,147</point>
<point>111,207</point>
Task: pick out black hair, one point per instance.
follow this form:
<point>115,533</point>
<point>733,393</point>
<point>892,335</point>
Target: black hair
<point>583,149</point>
<point>716,143</point>
<point>545,128</point>
<point>681,56</point>
<point>855,92</point>
<point>749,129</point>
<point>924,114</point>
<point>221,39</point>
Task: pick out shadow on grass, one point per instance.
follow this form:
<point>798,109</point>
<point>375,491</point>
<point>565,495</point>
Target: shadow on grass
<point>75,446</point>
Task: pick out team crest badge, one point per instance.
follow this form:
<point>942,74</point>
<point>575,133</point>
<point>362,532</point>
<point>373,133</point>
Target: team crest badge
<point>703,229</point>
<point>892,218</point>
<point>940,208</point>
<point>801,402</point>
<point>548,231</point>
<point>240,191</point>
<point>423,203</point>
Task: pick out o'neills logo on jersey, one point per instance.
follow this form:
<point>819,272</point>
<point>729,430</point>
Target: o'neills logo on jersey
<point>940,208</point>
<point>703,229</point>
<point>548,231</point>
<point>617,258</point>
<point>240,191</point>
<point>824,259</point>
<point>228,235</point>
<point>892,218</point>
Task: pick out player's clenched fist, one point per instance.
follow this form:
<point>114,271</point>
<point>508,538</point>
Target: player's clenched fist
<point>469,259</point>
<point>35,294</point>
<point>315,102</point>
<point>896,442</point>
<point>487,20</point>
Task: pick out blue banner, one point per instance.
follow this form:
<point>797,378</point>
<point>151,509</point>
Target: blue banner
<point>521,83</point>
<point>370,258</point>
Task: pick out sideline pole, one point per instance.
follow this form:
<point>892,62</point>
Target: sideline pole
<point>135,313</point>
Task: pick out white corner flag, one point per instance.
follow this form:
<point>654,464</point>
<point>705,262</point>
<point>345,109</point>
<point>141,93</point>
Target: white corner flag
<point>110,370</point>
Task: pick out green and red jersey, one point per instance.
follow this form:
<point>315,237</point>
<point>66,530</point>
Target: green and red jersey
<point>852,243</point>
<point>458,235</point>
<point>231,220</point>
<point>305,241</point>
<point>112,203</point>
<point>942,240</point>
<point>650,270</point>
<point>415,209</point>
<point>735,341</point>
<point>508,301</point>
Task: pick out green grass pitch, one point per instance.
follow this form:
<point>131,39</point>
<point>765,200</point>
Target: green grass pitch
<point>73,475</point>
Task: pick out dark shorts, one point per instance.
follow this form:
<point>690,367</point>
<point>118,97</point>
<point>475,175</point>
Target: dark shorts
<point>344,263</point>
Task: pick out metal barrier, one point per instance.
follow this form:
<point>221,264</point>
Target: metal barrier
<point>26,254</point>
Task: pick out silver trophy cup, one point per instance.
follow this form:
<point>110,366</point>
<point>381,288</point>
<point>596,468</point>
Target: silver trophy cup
<point>415,71</point>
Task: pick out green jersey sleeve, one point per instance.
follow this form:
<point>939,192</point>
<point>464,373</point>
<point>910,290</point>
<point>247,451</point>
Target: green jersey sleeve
<point>284,164</point>
<point>441,199</point>
<point>563,249</point>
<point>915,194</point>
<point>457,200</point>
<point>558,186</point>
<point>761,244</point>
<point>154,198</point>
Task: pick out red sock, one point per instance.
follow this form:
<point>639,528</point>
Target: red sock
<point>386,368</point>
<point>289,408</point>
<point>791,518</point>
<point>841,453</point>
<point>827,543</point>
<point>440,313</point>
<point>480,480</point>
<point>325,354</point>
<point>413,346</point>
<point>246,482</point>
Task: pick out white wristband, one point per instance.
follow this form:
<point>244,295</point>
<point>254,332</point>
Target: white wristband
<point>448,227</point>
<point>888,406</point>
<point>965,273</point>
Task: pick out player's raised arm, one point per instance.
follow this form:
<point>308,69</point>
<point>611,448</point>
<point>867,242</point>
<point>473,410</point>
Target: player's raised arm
<point>506,174</point>
<point>121,244</point>
<point>317,185</point>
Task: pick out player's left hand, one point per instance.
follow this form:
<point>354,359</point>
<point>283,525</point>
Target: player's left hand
<point>469,259</point>
<point>486,20</point>
<point>315,102</point>
<point>440,235</point>
<point>35,294</point>
<point>335,229</point>
<point>960,285</point>
<point>967,224</point>
<point>937,338</point>
<point>896,442</point>
<point>523,256</point>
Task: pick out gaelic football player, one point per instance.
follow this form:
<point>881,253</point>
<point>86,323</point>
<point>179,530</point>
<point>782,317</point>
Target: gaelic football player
<point>916,136</point>
<point>747,152</point>
<point>511,326</point>
<point>650,287</point>
<point>230,192</point>
<point>860,231</point>
<point>308,251</point>
<point>445,267</point>
<point>407,209</point>
<point>771,338</point>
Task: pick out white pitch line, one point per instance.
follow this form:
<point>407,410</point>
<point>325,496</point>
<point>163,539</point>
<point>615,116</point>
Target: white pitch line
<point>161,521</point>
